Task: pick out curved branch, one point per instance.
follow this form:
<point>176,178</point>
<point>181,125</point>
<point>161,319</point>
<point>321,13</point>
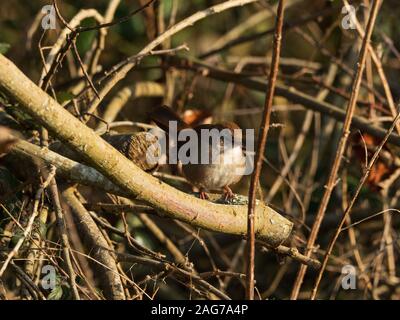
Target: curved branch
<point>290,93</point>
<point>269,225</point>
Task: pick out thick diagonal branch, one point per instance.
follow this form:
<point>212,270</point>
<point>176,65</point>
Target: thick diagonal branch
<point>269,225</point>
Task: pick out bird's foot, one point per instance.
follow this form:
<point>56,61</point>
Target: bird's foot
<point>203,195</point>
<point>228,194</point>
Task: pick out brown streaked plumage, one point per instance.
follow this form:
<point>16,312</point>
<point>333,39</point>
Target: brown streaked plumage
<point>229,164</point>
<point>136,148</point>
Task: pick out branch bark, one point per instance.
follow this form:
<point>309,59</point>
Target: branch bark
<point>107,266</point>
<point>269,225</point>
<point>262,140</point>
<point>290,93</point>
<point>331,183</point>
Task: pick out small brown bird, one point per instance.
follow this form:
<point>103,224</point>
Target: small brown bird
<point>226,159</point>
<point>135,147</point>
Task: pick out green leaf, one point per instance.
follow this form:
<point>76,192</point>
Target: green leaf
<point>4,47</point>
<point>56,293</point>
<point>143,238</point>
<point>42,228</point>
<point>16,237</point>
<point>64,96</point>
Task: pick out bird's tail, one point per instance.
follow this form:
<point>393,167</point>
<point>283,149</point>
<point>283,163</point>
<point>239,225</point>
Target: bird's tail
<point>162,115</point>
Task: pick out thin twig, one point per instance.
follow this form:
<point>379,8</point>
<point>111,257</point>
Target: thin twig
<point>351,204</point>
<point>110,277</point>
<point>289,93</point>
<point>262,138</point>
<point>29,226</point>
<point>340,150</point>
<point>115,22</point>
<point>62,229</point>
<point>122,68</point>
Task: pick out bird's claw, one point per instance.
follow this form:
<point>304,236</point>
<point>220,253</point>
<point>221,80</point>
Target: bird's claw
<point>228,194</point>
<point>203,195</point>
